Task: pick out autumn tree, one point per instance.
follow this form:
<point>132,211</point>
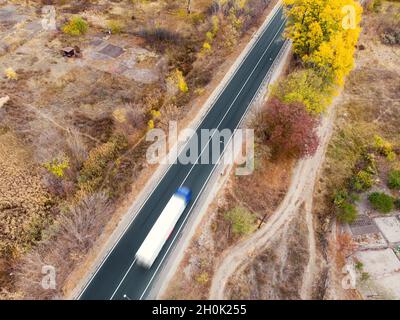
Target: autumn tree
<point>324,34</point>
<point>306,87</point>
<point>288,129</point>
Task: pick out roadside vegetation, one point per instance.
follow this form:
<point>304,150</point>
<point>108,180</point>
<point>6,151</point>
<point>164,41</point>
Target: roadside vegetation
<point>326,50</point>
<point>76,131</point>
<point>324,56</point>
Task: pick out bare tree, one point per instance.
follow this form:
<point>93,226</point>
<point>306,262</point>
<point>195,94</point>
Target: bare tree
<point>79,225</point>
<point>71,236</point>
<point>76,145</point>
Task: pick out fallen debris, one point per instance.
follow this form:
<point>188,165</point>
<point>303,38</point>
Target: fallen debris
<point>71,52</point>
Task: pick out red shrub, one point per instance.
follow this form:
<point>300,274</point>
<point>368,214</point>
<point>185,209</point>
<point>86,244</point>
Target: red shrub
<point>289,129</point>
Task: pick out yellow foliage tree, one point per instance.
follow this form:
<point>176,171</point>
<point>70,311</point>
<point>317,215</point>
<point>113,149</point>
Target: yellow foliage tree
<point>307,87</point>
<point>182,85</point>
<point>203,278</point>
<point>206,46</point>
<point>324,34</point>
<point>150,124</point>
<point>11,74</point>
<point>384,147</point>
<point>215,24</point>
<point>177,79</point>
<point>76,26</point>
<point>155,113</point>
<point>57,166</point>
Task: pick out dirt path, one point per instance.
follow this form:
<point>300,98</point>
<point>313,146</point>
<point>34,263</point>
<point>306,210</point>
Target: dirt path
<point>308,278</point>
<point>300,190</point>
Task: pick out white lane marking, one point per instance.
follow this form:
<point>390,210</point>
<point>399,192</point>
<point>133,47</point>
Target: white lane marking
<point>130,267</point>
<point>190,208</point>
<point>182,148</point>
<point>231,105</point>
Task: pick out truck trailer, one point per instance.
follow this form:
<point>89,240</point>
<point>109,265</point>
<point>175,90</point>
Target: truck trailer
<point>159,233</point>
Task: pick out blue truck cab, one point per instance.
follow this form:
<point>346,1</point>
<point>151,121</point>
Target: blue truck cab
<point>185,193</point>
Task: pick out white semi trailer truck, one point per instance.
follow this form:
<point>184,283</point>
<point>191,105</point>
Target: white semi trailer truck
<point>159,233</point>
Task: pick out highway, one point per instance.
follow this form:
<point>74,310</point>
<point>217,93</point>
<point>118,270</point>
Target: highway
<point>119,276</point>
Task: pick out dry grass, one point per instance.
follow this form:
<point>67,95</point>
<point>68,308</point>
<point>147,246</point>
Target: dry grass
<point>277,272</point>
<point>24,201</point>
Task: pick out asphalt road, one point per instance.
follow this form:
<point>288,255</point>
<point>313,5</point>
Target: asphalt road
<point>119,277</point>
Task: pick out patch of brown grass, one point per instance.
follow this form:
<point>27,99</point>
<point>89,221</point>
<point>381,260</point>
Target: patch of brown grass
<point>24,201</point>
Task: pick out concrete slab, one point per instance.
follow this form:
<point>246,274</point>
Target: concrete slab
<point>141,75</point>
<point>385,288</point>
<point>9,16</point>
<point>363,225</point>
<point>96,42</point>
<point>95,56</point>
<point>34,26</point>
<point>112,51</point>
<point>390,227</point>
<point>379,263</point>
<point>392,285</point>
<point>371,241</point>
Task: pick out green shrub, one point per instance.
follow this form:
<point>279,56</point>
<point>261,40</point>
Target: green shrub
<point>347,213</point>
<point>364,276</point>
<point>354,197</point>
<point>242,220</point>
<point>397,203</point>
<point>363,180</point>
<point>381,201</point>
<point>383,146</point>
<point>341,198</point>
<point>394,179</point>
<point>75,27</point>
<point>115,26</point>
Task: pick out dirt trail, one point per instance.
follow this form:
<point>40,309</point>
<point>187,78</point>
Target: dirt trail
<point>300,190</point>
<point>308,278</point>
